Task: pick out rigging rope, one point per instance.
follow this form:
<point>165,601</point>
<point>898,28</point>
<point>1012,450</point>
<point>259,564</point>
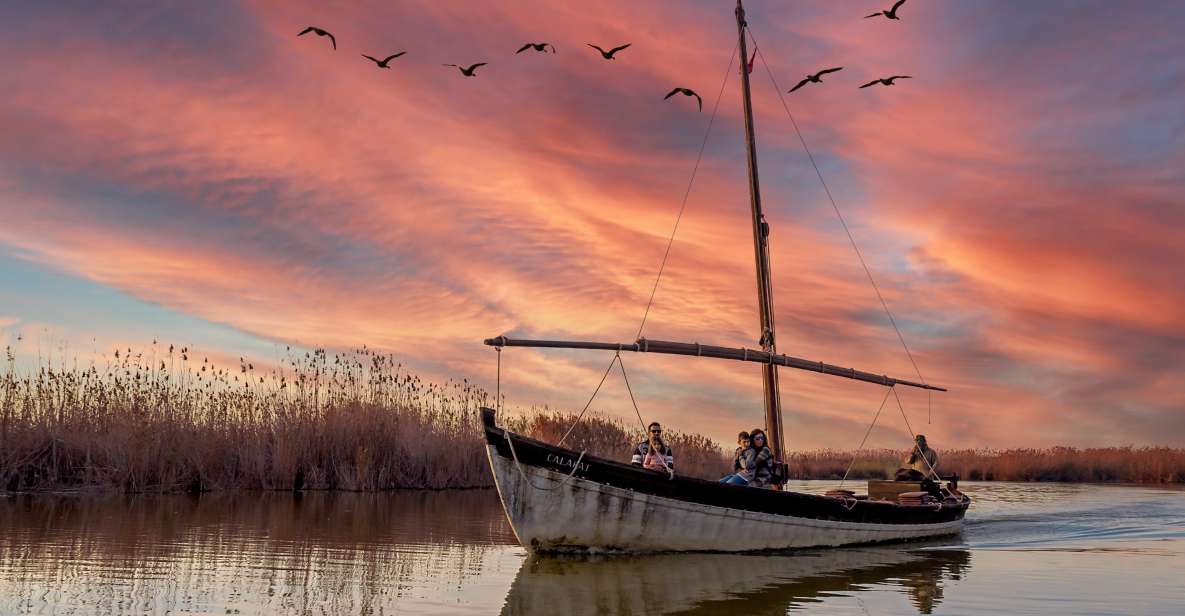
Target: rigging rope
<point>865,439</point>
<point>616,358</point>
<point>834,206</point>
<point>683,206</point>
<point>666,254</point>
<point>637,411</point>
<point>519,465</point>
<point>911,432</point>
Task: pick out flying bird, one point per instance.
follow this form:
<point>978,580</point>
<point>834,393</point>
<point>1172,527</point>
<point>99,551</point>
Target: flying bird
<point>537,47</point>
<point>385,62</point>
<point>815,78</point>
<point>319,32</point>
<point>608,55</point>
<point>686,92</point>
<point>467,71</point>
<point>891,13</point>
<point>887,81</point>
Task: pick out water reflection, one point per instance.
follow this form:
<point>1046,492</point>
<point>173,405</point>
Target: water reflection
<point>253,553</point>
<point>1047,549</point>
<point>727,583</point>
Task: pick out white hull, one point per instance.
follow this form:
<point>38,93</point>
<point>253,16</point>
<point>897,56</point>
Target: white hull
<point>554,511</point>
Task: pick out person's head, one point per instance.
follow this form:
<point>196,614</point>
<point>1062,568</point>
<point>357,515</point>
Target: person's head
<point>921,440</point>
<point>743,439</point>
<point>654,432</point>
<point>757,438</point>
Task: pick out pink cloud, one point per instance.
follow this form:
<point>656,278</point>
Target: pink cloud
<point>303,195</point>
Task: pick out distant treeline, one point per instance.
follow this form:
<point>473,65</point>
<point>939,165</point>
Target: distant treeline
<point>166,419</point>
<point>1095,464</point>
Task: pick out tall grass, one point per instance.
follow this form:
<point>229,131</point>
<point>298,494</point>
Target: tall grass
<point>165,419</point>
<point>1094,464</point>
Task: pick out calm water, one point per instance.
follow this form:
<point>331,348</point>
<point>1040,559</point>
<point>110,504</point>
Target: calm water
<point>1027,549</point>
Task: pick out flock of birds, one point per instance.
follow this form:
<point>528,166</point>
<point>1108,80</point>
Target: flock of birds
<point>471,70</point>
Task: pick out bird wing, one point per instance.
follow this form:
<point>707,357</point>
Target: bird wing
<point>872,15</point>
<point>828,70</point>
<point>871,83</point>
<point>896,6</point>
<point>800,84</point>
<point>619,48</point>
<point>332,40</point>
<point>305,31</point>
<point>392,57</point>
<point>474,67</point>
<point>699,101</point>
<point>450,65</point>
<point>671,93</point>
<point>371,59</point>
<point>900,77</point>
<point>552,48</point>
<point>523,48</point>
<point>596,48</point>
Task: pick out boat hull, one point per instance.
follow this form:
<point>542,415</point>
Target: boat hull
<point>556,500</point>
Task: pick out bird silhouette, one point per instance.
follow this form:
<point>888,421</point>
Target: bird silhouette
<point>686,92</point>
<point>887,81</point>
<point>891,13</point>
<point>319,32</point>
<point>537,47</point>
<point>608,55</point>
<point>385,62</point>
<point>815,78</point>
<point>467,71</point>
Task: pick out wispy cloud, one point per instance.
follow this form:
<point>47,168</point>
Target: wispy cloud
<point>1023,220</point>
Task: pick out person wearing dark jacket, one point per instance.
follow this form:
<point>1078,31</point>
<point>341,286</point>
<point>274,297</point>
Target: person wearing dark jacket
<point>763,459</point>
<point>661,452</point>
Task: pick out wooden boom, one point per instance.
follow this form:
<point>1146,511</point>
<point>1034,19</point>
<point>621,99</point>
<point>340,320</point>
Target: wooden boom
<point>703,350</point>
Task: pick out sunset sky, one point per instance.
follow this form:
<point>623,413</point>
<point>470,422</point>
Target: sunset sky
<point>194,172</point>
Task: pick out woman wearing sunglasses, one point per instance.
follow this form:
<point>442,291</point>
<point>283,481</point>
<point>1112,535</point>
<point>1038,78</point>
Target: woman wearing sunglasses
<point>762,461</point>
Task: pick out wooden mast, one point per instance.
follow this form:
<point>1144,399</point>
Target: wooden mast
<point>769,372</point>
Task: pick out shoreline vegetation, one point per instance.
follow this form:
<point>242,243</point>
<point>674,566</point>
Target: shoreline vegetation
<point>168,420</point>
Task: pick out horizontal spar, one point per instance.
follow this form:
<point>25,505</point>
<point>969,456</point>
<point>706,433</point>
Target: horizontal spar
<point>703,350</point>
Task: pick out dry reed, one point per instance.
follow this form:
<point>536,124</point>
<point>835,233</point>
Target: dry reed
<point>169,420</point>
<point>1094,464</point>
<point>162,420</point>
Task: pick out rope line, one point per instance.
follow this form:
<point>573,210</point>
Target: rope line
<point>683,206</point>
<point>865,439</point>
<point>669,470</point>
<point>834,206</point>
<point>616,358</point>
<point>911,432</point>
<point>519,466</point>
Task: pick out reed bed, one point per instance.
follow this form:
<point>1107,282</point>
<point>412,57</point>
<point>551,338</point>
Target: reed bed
<point>1094,464</point>
<point>165,419</point>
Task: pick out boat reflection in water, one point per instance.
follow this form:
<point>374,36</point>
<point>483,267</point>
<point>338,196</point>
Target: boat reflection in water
<point>727,583</point>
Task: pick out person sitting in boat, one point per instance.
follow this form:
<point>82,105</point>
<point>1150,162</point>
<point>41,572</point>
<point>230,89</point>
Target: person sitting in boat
<point>922,462</point>
<point>656,456</point>
<point>652,453</point>
<point>763,459</point>
<point>742,462</point>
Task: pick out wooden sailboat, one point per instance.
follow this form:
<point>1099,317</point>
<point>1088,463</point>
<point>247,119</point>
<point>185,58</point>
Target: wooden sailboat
<point>559,499</point>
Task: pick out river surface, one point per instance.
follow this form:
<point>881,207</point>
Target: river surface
<point>1027,549</point>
